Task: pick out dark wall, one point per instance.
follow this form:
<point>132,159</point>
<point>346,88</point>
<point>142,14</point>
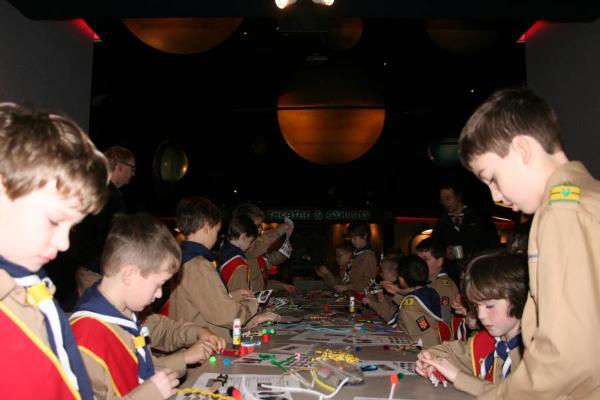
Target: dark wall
<point>563,66</point>
<point>47,65</point>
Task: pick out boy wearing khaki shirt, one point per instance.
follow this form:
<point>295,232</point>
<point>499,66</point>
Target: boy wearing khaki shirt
<point>201,296</point>
<point>496,284</point>
<point>512,144</point>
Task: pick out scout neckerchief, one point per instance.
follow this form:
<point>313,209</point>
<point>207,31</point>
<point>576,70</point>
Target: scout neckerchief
<point>233,257</point>
<point>60,336</point>
<point>427,297</point>
<point>502,351</point>
<point>191,250</point>
<point>94,305</point>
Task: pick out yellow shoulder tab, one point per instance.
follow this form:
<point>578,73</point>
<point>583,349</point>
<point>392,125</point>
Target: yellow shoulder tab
<point>409,301</point>
<point>569,193</point>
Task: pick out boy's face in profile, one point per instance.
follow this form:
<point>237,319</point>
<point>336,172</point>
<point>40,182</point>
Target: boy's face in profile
<point>434,265</point>
<point>388,272</point>
<point>35,227</point>
<point>245,241</point>
<point>145,289</point>
<point>510,180</point>
<point>342,257</point>
<point>493,314</point>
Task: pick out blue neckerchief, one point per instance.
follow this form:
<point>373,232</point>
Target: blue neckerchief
<point>430,298</point>
<point>191,250</point>
<point>92,300</point>
<point>230,250</point>
<point>75,361</point>
<point>502,350</point>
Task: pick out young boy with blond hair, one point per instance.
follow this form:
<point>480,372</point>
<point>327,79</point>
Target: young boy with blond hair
<point>201,296</point>
<point>496,286</point>
<point>51,176</point>
<point>512,143</point>
<point>382,304</point>
<point>139,256</point>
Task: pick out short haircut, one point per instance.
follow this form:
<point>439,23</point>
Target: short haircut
<point>498,274</point>
<point>454,186</point>
<point>345,246</point>
<point>249,210</point>
<point>429,245</point>
<point>193,213</point>
<point>358,228</point>
<point>139,240</point>
<point>413,270</point>
<point>118,154</point>
<point>504,115</point>
<point>37,148</point>
<point>392,260</point>
<point>239,225</point>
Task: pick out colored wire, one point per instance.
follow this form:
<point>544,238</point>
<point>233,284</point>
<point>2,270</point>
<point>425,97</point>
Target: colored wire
<point>207,393</point>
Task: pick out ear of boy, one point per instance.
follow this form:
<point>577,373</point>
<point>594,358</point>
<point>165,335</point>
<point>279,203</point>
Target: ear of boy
<point>522,147</point>
<point>128,273</point>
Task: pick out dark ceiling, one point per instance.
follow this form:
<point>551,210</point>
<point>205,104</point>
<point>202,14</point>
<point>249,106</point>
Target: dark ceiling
<point>221,105</point>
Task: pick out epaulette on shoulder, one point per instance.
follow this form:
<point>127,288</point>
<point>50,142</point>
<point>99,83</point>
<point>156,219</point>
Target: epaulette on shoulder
<point>565,193</point>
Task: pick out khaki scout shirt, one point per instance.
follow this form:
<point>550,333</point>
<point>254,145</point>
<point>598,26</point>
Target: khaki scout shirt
<point>201,298</point>
<point>260,247</point>
<point>561,320</point>
<point>386,309</point>
<point>363,270</point>
<point>168,335</point>
<point>102,383</point>
<point>415,320</point>
<point>447,290</point>
<point>459,355</point>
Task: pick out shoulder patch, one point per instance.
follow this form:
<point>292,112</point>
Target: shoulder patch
<point>408,302</point>
<point>445,282</point>
<point>565,193</point>
<point>422,323</point>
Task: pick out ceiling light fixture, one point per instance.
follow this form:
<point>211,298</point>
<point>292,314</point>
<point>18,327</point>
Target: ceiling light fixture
<point>284,3</point>
<point>324,2</point>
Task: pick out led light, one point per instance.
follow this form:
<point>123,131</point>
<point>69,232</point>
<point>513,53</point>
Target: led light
<point>284,3</point>
<point>323,2</point>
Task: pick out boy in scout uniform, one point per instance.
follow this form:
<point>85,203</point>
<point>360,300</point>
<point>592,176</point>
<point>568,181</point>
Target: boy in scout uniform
<point>496,284</point>
<point>440,281</point>
<point>512,144</point>
<point>234,269</point>
<point>51,177</point>
<point>201,296</point>
<point>381,303</point>
<point>139,256</point>
<point>418,312</point>
<point>258,255</point>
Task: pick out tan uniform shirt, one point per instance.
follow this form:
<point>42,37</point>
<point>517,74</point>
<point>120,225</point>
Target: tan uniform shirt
<point>416,321</point>
<point>240,279</point>
<point>102,381</point>
<point>459,354</point>
<point>561,320</point>
<point>168,335</point>
<point>386,309</point>
<point>201,298</point>
<point>260,247</point>
<point>363,270</point>
<point>447,290</point>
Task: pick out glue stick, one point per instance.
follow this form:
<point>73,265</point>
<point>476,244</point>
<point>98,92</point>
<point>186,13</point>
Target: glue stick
<point>351,305</point>
<point>237,333</point>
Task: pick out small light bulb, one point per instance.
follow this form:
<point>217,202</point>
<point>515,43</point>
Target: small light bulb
<point>284,3</point>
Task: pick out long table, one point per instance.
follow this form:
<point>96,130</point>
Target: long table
<point>410,387</point>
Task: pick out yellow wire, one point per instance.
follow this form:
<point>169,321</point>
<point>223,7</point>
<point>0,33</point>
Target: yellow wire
<point>321,383</point>
<point>204,393</point>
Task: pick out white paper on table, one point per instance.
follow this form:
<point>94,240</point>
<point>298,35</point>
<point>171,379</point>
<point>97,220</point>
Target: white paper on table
<point>385,368</point>
<point>252,382</point>
<point>293,348</point>
<point>356,339</point>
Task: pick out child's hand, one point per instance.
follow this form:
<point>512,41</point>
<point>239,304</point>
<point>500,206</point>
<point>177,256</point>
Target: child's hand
<point>445,367</point>
<point>267,316</point>
<point>216,343</point>
<point>389,287</point>
<point>322,271</point>
<point>422,366</point>
<point>246,294</point>
<point>198,353</point>
<point>458,305</point>
<point>341,288</point>
<point>166,381</point>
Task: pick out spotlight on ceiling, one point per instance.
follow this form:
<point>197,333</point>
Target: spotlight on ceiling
<point>284,3</point>
<point>324,2</point>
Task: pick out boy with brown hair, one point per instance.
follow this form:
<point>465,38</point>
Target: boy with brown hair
<point>201,296</point>
<point>383,305</point>
<point>139,256</point>
<point>512,143</point>
<point>496,285</point>
<point>234,269</point>
<point>51,176</point>
<point>343,258</point>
